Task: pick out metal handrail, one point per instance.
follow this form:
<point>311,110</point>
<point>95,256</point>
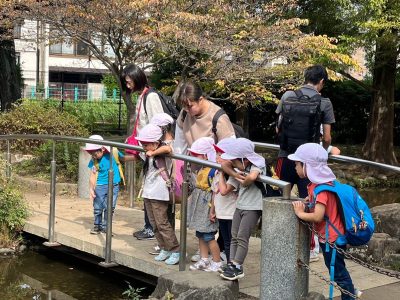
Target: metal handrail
<point>338,158</point>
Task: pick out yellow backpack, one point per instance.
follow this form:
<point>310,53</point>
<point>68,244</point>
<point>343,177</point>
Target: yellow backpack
<point>116,158</point>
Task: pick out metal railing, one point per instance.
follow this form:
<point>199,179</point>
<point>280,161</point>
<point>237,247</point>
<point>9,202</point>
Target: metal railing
<point>285,186</point>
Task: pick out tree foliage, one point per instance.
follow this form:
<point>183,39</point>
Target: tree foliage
<point>243,49</point>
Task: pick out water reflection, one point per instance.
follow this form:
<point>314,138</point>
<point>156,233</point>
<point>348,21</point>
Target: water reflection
<point>37,276</point>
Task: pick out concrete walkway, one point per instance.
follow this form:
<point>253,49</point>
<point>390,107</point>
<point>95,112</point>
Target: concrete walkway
<point>74,219</point>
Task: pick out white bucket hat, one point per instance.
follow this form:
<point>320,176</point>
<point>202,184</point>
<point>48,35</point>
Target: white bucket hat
<point>92,147</point>
<point>205,146</point>
<point>149,133</point>
<point>243,148</point>
<point>224,144</point>
<point>315,158</point>
<point>161,119</point>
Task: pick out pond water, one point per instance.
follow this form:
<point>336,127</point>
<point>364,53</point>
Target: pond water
<point>46,274</point>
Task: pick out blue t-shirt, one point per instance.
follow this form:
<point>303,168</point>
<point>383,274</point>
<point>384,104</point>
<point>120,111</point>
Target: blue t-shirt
<point>104,166</point>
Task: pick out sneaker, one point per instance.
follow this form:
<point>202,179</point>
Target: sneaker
<point>202,264</point>
<point>233,272</point>
<point>136,233</point>
<point>173,259</point>
<point>223,256</point>
<point>162,256</point>
<point>214,267</point>
<point>223,267</point>
<point>196,256</point>
<point>358,293</point>
<point>147,234</point>
<point>104,230</point>
<point>314,256</point>
<point>155,250</point>
<point>96,230</point>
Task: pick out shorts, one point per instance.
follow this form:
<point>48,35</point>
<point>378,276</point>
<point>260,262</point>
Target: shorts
<point>206,236</point>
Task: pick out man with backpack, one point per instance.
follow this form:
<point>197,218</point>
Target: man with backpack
<point>301,114</point>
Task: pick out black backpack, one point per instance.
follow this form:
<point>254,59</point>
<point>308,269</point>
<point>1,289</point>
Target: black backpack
<point>167,103</point>
<point>239,132</point>
<point>266,189</point>
<point>301,121</point>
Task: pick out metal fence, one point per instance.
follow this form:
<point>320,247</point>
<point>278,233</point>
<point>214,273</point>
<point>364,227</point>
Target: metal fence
<point>285,186</point>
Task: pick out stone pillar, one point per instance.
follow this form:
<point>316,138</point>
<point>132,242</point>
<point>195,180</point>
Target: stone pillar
<point>83,179</point>
<point>284,240</point>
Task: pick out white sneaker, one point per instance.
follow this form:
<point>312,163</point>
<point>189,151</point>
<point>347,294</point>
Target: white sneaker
<point>358,293</point>
<point>314,256</point>
<point>214,267</point>
<point>202,264</point>
<point>196,256</point>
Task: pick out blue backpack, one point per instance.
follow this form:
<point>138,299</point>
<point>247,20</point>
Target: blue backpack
<point>356,216</point>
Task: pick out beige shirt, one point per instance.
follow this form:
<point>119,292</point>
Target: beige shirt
<point>194,128</point>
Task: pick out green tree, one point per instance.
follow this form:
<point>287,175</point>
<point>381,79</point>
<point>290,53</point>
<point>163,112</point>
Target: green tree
<point>372,25</point>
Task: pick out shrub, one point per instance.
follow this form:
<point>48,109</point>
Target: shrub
<point>32,118</point>
<point>13,212</point>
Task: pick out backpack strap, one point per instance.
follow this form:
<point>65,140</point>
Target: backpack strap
<point>298,93</point>
<point>217,115</point>
<point>118,162</point>
<point>211,176</point>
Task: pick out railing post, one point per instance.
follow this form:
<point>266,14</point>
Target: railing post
<point>107,255</point>
<point>183,236</point>
<point>8,167</point>
<point>33,92</point>
<point>52,214</point>
<point>76,94</point>
<point>284,241</point>
<point>114,94</point>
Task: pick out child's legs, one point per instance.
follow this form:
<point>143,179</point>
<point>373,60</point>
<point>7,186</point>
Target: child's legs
<point>247,224</point>
<point>148,206</point>
<point>163,230</point>
<point>342,276</point>
<point>115,197</point>
<point>225,227</point>
<point>98,204</point>
<point>203,246</point>
<point>237,218</point>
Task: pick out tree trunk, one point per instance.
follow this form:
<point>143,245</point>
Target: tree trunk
<point>379,142</point>
<point>10,89</point>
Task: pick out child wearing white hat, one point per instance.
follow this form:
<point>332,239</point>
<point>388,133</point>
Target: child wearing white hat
<point>98,181</point>
<point>199,208</point>
<point>311,162</point>
<point>156,193</point>
<point>248,166</point>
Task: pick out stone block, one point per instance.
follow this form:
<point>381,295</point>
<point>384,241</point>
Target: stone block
<point>195,285</point>
<point>387,219</point>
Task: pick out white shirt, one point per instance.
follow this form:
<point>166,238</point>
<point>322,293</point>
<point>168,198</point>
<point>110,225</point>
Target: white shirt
<point>154,186</point>
<point>225,205</point>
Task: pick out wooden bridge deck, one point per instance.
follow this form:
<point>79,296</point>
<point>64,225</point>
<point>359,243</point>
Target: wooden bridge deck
<point>74,219</point>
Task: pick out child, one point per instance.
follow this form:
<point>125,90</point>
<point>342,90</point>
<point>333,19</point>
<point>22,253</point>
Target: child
<point>156,193</point>
<point>248,166</point>
<point>98,181</point>
<point>311,162</point>
<point>199,206</point>
<point>225,195</point>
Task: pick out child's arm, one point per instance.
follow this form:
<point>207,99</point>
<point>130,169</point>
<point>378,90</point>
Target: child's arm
<point>316,216</point>
<point>92,185</point>
<point>249,178</point>
<point>212,210</point>
<point>223,186</point>
<point>228,169</point>
<point>166,149</point>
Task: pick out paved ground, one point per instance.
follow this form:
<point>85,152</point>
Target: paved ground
<point>74,221</point>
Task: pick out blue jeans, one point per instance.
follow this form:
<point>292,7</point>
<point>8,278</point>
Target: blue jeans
<point>206,236</point>
<point>100,204</point>
<point>342,276</point>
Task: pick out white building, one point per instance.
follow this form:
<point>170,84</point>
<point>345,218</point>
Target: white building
<point>65,69</point>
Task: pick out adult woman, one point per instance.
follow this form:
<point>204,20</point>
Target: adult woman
<point>136,81</point>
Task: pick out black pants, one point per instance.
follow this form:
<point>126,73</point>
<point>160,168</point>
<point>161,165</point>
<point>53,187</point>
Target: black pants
<point>286,171</point>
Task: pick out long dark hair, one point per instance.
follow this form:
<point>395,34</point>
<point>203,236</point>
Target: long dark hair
<point>138,77</point>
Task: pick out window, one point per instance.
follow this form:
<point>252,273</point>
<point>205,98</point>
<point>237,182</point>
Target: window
<point>82,48</point>
<point>18,29</point>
